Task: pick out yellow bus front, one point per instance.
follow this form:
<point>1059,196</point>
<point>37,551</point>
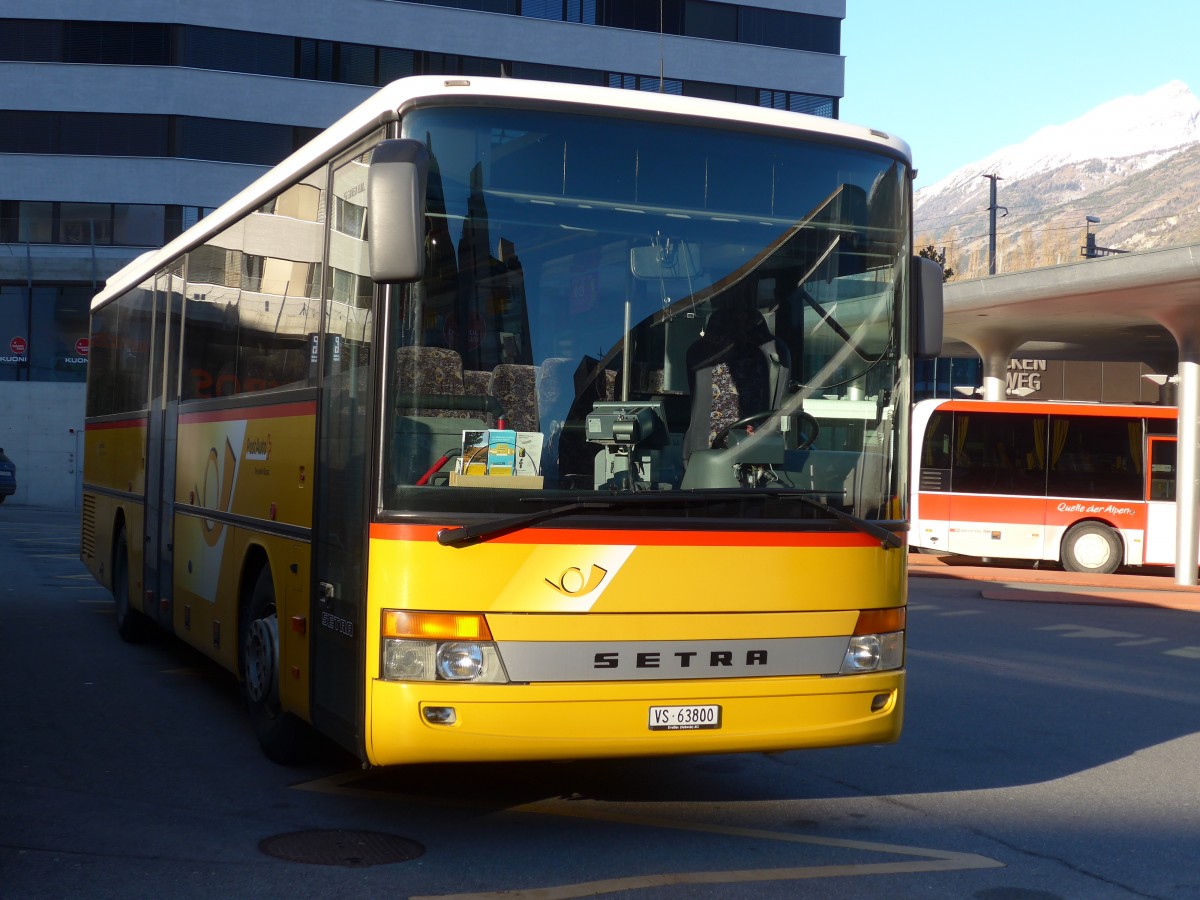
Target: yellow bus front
<point>570,644</point>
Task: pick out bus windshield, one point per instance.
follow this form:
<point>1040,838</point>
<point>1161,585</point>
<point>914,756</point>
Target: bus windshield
<point>624,306</point>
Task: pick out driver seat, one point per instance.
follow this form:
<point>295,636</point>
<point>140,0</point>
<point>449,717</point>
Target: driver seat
<point>738,368</point>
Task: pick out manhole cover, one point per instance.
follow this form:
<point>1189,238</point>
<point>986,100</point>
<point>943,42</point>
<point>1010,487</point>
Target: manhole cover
<point>355,849</point>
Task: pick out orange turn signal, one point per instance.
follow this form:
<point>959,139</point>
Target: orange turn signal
<point>880,621</point>
<point>431,626</point>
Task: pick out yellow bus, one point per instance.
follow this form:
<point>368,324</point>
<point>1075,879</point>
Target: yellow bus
<point>511,420</point>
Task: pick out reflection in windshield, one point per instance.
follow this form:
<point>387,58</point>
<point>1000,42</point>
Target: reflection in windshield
<point>626,306</point>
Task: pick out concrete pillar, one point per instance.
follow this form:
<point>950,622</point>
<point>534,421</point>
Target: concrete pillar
<point>1187,476</point>
<point>996,351</point>
<point>1185,327</point>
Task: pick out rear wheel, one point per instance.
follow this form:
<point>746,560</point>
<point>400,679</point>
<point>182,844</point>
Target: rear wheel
<point>279,733</point>
<point>1091,547</point>
<point>133,626</point>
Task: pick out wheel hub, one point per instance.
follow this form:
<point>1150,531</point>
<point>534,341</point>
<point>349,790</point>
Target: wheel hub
<point>262,654</point>
<point>1092,551</point>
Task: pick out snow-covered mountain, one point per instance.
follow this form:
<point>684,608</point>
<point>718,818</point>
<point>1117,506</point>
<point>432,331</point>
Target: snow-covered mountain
<point>1062,173</point>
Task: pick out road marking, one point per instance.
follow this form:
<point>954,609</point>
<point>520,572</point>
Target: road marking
<point>928,860</point>
<point>1086,631</point>
<point>961,612</point>
<point>1185,652</point>
<point>922,607</point>
<point>1134,640</point>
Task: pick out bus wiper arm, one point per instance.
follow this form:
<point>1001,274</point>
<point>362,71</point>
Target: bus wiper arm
<point>464,533</point>
<point>874,530</point>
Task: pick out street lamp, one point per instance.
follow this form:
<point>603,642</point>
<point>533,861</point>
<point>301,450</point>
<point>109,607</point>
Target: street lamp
<point>1089,251</point>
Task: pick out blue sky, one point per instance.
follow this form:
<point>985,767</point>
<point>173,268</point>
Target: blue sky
<point>958,80</point>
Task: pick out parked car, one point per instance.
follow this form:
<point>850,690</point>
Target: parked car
<point>8,476</point>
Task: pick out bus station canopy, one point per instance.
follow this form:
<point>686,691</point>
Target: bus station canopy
<point>1131,307</point>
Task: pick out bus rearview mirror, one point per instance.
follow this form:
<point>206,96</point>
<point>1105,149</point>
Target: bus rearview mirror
<point>396,210</point>
<point>927,307</point>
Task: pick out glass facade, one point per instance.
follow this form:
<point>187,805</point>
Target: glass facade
<point>688,18</point>
<point>223,49</point>
<point>94,224</point>
<point>44,332</point>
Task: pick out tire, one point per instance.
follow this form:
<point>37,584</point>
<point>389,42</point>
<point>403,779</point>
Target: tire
<point>1091,548</point>
<point>280,734</point>
<point>133,626</point>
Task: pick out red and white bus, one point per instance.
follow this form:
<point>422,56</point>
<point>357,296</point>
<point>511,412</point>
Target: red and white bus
<point>1091,486</point>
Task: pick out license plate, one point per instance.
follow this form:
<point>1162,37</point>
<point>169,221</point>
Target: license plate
<point>684,718</point>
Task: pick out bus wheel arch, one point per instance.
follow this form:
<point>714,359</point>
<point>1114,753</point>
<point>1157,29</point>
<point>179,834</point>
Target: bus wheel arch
<point>1092,547</point>
<point>133,626</point>
<point>279,732</point>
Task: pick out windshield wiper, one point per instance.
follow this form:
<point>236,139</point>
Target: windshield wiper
<point>464,533</point>
<point>865,525</point>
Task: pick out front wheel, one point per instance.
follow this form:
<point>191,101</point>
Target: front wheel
<point>1091,547</point>
<point>278,732</point>
<point>133,626</point>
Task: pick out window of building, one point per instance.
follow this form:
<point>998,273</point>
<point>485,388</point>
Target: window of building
<point>138,225</point>
<point>43,333</point>
<point>790,30</point>
<point>229,50</point>
<point>118,224</point>
<point>113,134</point>
<point>85,223</point>
<point>715,21</point>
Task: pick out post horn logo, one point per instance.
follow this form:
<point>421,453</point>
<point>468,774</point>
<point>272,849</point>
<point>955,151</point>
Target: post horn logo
<point>573,583</point>
<point>218,489</point>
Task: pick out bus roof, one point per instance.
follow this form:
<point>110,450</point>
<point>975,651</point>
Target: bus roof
<point>390,102</point>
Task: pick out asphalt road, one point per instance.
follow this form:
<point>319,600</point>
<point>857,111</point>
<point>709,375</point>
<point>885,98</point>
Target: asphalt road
<point>1049,751</point>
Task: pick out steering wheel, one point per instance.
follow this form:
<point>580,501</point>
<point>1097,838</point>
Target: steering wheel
<point>807,436</point>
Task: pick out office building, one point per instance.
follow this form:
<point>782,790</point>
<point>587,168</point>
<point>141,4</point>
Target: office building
<point>122,123</point>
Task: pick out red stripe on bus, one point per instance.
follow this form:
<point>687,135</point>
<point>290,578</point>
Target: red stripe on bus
<point>274,411</point>
<point>122,423</point>
<point>1054,408</point>
<point>392,532</point>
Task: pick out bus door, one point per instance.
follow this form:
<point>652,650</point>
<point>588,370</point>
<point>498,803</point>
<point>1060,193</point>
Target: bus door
<point>161,436</point>
<point>342,511</point>
<point>1160,502</point>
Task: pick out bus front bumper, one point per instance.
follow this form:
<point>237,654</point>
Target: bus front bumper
<point>512,722</point>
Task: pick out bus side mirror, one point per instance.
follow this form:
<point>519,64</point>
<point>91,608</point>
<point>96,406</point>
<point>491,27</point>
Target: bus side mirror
<point>927,308</point>
<point>396,210</point>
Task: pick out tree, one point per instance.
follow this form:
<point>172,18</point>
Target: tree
<point>939,257</point>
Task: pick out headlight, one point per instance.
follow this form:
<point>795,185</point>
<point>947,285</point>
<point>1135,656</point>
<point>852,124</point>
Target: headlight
<point>408,660</point>
<point>873,653</point>
<point>424,646</point>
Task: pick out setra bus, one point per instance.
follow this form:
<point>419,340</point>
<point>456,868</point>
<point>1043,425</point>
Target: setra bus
<point>512,420</point>
<point>1087,485</point>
